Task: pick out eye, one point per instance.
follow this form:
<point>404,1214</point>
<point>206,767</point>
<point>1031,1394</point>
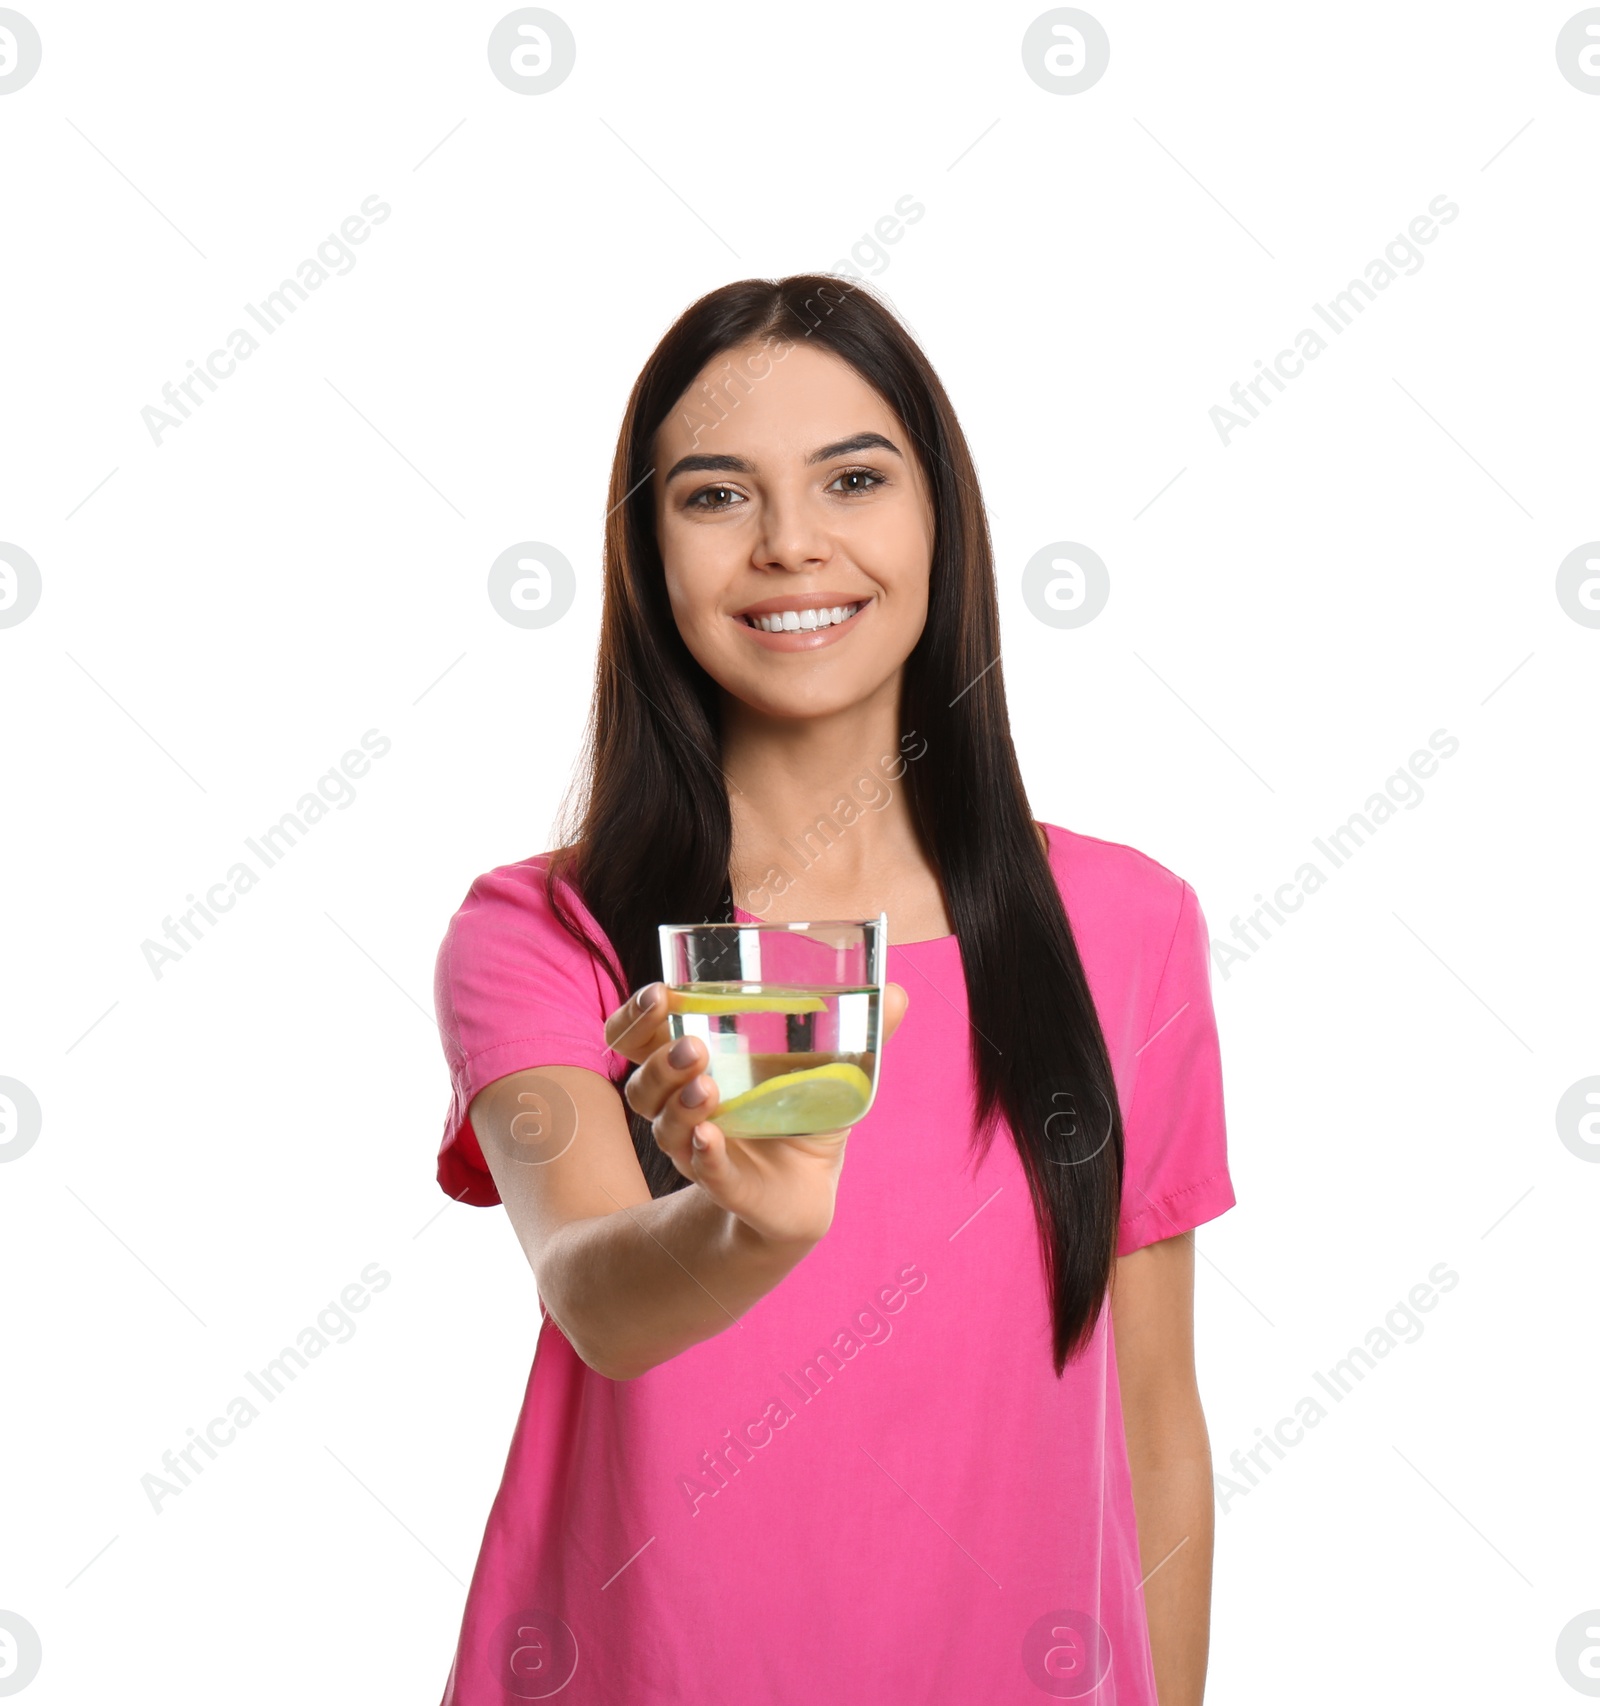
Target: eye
<point>697,501</point>
<point>876,478</point>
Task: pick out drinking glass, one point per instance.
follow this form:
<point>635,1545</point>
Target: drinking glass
<point>789,1014</point>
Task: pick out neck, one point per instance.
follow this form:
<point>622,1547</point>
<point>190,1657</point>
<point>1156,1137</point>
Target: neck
<point>821,821</point>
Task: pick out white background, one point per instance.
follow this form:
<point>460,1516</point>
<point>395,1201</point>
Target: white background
<point>226,1147</point>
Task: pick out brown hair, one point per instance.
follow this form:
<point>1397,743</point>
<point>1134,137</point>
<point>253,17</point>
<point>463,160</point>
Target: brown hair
<point>652,834</point>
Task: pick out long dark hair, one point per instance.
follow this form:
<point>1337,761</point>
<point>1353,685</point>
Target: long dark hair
<point>651,830</point>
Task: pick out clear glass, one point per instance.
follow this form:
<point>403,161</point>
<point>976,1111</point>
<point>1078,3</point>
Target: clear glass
<point>789,1014</point>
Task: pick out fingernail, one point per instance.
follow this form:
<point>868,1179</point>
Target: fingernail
<point>696,1141</point>
<point>646,996</point>
<point>694,1094</point>
<point>682,1052</point>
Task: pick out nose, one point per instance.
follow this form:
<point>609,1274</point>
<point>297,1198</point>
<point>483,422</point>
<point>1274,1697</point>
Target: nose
<point>793,535</point>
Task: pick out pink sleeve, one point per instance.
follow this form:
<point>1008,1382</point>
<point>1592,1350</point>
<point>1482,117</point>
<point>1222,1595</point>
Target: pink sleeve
<point>512,989</point>
<point>1175,1159</point>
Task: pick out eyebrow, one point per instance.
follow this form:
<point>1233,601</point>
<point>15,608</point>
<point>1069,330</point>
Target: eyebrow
<point>738,464</point>
<point>862,441</point>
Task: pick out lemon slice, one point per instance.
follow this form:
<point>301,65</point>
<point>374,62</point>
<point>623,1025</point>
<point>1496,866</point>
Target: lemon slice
<point>773,1001</point>
<point>796,1104</point>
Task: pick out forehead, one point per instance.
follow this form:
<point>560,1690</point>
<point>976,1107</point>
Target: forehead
<point>771,404</point>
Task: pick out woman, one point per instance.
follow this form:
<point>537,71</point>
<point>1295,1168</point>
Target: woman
<point>800,1427</point>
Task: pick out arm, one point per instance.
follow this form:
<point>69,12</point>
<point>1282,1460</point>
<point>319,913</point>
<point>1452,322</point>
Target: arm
<point>633,1280</point>
<point>630,1280</point>
<point>1169,1458</point>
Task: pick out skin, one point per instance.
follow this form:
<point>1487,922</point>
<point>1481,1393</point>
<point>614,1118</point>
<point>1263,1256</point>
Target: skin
<point>1169,1458</point>
<point>800,727</point>
<point>632,1281</point>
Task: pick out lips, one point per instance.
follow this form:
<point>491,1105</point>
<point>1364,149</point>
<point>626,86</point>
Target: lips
<point>800,618</point>
<point>802,621</point>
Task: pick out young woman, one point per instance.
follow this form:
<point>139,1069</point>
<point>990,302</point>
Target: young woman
<point>900,1414</point>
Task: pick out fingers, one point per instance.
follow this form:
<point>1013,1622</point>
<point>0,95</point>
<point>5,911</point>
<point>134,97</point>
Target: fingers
<point>685,1110</point>
<point>895,1002</point>
<point>666,1072</point>
<point>706,1160</point>
<point>639,1026</point>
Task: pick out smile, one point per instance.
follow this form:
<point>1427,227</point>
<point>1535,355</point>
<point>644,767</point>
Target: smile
<point>806,620</point>
<point>791,625</point>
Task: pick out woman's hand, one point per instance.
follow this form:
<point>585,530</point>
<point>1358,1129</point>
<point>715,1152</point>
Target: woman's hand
<point>782,1188</point>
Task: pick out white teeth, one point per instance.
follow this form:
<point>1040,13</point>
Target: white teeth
<point>803,621</point>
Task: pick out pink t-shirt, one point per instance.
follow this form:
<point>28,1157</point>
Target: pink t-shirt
<point>874,1488</point>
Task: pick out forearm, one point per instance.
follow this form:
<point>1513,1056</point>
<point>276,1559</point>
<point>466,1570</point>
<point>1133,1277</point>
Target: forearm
<point>1173,1501</point>
<point>634,1288</point>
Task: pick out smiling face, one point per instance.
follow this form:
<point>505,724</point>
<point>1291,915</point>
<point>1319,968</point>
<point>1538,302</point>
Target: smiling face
<point>796,534</point>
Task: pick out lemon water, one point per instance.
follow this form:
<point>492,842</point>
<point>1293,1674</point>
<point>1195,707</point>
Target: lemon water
<point>787,1059</point>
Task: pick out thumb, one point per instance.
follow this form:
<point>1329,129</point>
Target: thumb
<point>895,1002</point>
